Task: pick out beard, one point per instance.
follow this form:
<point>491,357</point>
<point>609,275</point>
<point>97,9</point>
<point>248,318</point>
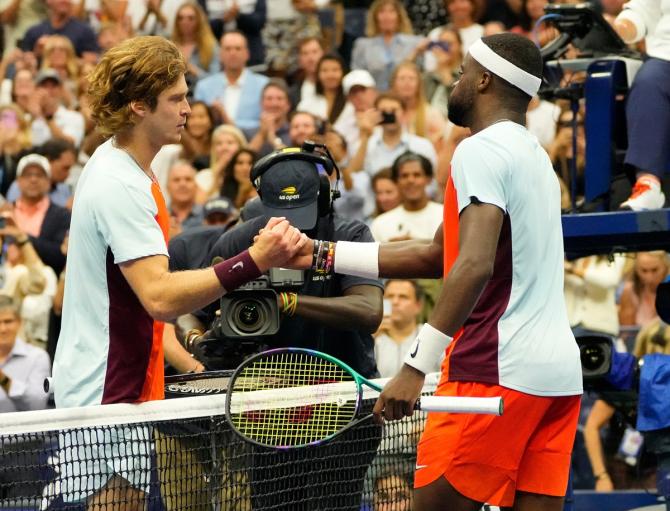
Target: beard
<point>460,105</point>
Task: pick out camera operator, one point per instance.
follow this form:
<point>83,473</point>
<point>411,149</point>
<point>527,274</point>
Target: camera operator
<point>332,313</point>
<point>336,315</point>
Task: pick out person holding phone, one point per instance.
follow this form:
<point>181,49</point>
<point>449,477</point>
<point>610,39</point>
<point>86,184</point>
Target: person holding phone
<point>360,89</point>
<point>378,149</point>
<point>403,303</point>
<point>438,83</point>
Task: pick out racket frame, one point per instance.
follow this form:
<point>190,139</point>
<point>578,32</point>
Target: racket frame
<point>357,379</point>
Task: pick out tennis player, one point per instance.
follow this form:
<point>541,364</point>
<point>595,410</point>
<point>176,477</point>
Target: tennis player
<point>501,316</point>
<point>118,286</point>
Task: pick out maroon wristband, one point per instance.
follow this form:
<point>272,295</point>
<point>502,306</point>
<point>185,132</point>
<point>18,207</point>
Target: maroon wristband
<point>236,271</point>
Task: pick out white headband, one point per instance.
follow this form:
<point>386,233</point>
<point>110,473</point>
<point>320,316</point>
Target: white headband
<point>504,68</point>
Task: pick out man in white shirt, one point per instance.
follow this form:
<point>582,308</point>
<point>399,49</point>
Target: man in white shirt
<point>22,367</point>
<point>361,90</point>
<point>417,217</point>
<point>403,301</point>
<point>383,146</point>
<point>236,91</point>
<point>51,118</point>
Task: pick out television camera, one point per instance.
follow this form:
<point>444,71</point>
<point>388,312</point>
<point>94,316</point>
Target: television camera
<point>618,379</point>
<point>250,314</point>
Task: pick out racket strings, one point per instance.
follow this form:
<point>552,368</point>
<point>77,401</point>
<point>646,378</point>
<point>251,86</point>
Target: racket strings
<point>292,399</point>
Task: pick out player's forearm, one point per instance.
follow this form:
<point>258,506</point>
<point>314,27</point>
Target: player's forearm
<point>460,293</point>
<point>177,293</point>
<point>410,259</point>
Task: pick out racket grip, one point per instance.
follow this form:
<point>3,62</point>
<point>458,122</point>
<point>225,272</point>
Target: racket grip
<point>453,404</point>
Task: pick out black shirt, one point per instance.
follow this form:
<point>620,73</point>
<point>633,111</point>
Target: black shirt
<point>352,347</point>
<point>190,249</point>
<point>79,33</point>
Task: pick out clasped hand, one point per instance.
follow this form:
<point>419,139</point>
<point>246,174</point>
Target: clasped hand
<point>277,243</point>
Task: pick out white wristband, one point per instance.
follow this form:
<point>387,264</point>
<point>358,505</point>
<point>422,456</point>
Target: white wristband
<point>427,349</point>
<point>358,259</point>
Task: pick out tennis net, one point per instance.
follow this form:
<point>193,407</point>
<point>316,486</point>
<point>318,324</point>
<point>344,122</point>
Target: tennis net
<point>180,454</point>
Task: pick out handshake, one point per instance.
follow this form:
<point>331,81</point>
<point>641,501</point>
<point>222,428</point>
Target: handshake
<point>279,244</point>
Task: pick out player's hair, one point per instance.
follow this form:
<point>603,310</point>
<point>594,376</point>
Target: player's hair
<point>137,69</point>
<point>521,52</point>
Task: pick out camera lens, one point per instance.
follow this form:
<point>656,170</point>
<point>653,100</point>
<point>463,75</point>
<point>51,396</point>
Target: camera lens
<point>592,357</point>
<point>249,316</point>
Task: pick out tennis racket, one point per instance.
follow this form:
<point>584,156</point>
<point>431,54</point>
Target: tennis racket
<point>197,384</point>
<point>293,397</point>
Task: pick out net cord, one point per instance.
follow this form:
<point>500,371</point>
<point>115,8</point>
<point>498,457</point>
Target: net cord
<point>40,421</point>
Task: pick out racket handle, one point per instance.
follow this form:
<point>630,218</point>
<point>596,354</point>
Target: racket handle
<point>452,404</point>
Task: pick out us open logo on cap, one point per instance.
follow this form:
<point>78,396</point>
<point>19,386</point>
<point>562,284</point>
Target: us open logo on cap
<point>289,193</point>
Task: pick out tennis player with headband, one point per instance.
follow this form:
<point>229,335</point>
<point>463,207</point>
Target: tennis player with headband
<point>501,315</point>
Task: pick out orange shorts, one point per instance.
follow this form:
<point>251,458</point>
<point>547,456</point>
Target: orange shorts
<point>489,458</point>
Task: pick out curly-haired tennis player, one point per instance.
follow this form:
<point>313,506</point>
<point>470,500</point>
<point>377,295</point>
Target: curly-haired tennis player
<point>118,287</point>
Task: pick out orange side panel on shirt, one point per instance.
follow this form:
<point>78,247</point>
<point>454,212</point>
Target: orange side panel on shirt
<point>154,384</point>
<point>450,240</point>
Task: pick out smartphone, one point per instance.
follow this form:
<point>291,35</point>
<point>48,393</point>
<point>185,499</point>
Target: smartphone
<point>387,307</point>
<point>443,45</point>
<point>388,118</point>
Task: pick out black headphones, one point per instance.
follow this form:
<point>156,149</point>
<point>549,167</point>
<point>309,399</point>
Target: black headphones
<point>308,152</point>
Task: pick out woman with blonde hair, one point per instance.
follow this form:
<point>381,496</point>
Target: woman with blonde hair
<point>389,41</point>
<point>226,141</point>
<point>60,56</point>
<point>194,38</point>
<point>638,298</point>
<point>420,118</point>
<point>15,137</point>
